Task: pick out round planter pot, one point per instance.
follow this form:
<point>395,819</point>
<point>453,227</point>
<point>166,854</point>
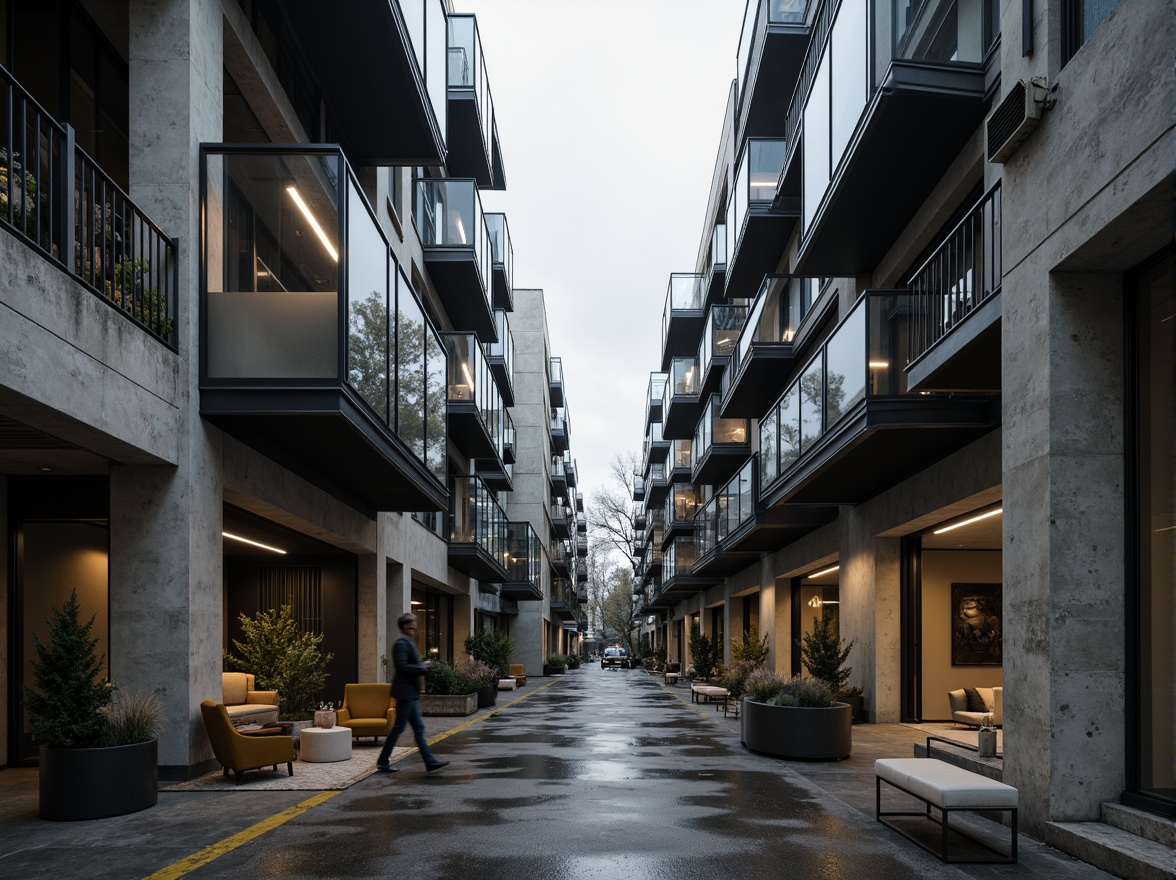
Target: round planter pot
<point>325,718</point>
<point>97,783</point>
<point>487,696</point>
<point>797,732</point>
<point>857,706</point>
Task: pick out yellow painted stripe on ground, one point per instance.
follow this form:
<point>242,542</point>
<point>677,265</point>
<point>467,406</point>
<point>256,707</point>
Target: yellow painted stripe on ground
<point>221,847</point>
<point>214,851</point>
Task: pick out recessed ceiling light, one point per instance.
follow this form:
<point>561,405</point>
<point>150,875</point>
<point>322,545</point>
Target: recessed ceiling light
<point>969,521</point>
<point>253,543</point>
<point>817,574</point>
<point>44,469</point>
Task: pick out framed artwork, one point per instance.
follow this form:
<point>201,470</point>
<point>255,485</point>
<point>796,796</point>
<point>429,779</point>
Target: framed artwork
<point>976,631</point>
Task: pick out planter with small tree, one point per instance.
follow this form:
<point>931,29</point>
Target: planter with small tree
<point>494,648</point>
<point>449,691</point>
<point>97,758</point>
<point>824,655</point>
<point>557,664</point>
<point>794,718</point>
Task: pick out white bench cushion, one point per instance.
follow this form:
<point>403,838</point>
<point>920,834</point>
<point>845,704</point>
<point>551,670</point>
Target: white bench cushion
<point>946,785</point>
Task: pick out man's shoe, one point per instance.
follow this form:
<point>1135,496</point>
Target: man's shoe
<point>387,768</point>
<point>436,765</point>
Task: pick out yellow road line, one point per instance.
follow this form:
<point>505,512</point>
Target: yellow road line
<point>221,847</point>
<point>214,851</point>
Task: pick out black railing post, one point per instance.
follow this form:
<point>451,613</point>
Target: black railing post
<point>65,201</point>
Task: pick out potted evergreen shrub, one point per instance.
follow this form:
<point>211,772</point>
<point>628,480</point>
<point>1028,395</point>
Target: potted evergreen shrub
<point>824,655</point>
<point>282,658</point>
<point>557,664</point>
<point>492,647</point>
<point>448,691</point>
<point>484,679</point>
<point>707,654</point>
<point>96,759</point>
<point>794,718</point>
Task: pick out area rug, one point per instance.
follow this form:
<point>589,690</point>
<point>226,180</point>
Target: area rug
<point>307,777</point>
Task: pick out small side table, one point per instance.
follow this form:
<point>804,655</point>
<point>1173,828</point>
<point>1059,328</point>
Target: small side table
<point>325,745</point>
<point>672,677</point>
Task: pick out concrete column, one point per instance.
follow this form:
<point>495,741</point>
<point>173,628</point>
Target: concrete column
<point>398,599</point>
<point>780,647</point>
<point>870,612</point>
<point>165,544</point>
<point>372,613</point>
<point>1063,541</point>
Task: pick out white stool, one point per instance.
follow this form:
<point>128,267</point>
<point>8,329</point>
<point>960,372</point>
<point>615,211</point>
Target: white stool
<point>322,746</point>
<point>672,677</point>
<point>507,684</point>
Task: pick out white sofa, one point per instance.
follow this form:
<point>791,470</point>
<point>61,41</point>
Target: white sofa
<point>244,704</point>
<point>993,699</point>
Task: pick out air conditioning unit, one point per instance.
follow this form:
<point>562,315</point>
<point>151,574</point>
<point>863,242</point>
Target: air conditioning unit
<point>1016,117</point>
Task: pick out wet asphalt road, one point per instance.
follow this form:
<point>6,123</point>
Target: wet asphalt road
<point>603,775</point>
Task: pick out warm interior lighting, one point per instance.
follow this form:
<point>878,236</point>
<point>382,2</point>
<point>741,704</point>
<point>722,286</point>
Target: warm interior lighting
<point>969,520</point>
<point>465,368</point>
<point>763,183</point>
<point>461,233</point>
<point>878,365</point>
<point>830,570</point>
<point>314,224</point>
<point>233,537</point>
<point>415,602</point>
<point>789,335</point>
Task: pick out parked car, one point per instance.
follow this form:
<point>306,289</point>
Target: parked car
<point>615,658</point>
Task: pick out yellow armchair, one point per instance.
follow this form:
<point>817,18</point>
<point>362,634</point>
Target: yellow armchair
<point>238,752</point>
<point>368,709</point>
<point>519,673</point>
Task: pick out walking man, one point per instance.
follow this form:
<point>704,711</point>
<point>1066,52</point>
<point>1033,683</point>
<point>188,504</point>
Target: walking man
<point>406,690</point>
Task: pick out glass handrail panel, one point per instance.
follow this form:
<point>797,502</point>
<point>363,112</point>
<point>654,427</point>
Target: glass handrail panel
<point>275,314</point>
<point>787,11</point>
<point>767,161</point>
<point>367,306</point>
<point>504,347</point>
<point>769,450</point>
<point>685,292</point>
<point>657,472</point>
<point>680,450</point>
<point>811,387</point>
<point>845,366</point>
<point>684,376</point>
<point>436,52</point>
<point>888,319</point>
<point>500,245</point>
<point>718,249</point>
<point>934,30</point>
<point>555,371</point>
<point>433,416</point>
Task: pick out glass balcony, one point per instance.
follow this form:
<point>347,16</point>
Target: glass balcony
<point>562,553</point>
<point>570,469</point>
<point>762,357</point>
<point>581,522</point>
<point>581,545</point>
<point>682,317</point>
<point>638,487</point>
<point>500,357</point>
<point>403,121</point>
<point>508,439</point>
<point>555,384</point>
<point>298,331</point>
<point>771,47</point>
<point>502,261</point>
<point>452,230</point>
<point>582,569</point>
<point>719,445</point>
<point>653,400</point>
<point>862,361</point>
<point>956,292</point>
<point>563,598</point>
<point>719,336</point>
<point>728,510</point>
<point>682,407</point>
<point>471,106</point>
<point>477,531</point>
<point>562,518</point>
<point>756,232</point>
<point>476,413</point>
<point>886,66</point>
<point>560,430</point>
<point>679,559</point>
<point>525,559</point>
<point>680,461</point>
<point>715,276</point>
<point>557,476</point>
<point>59,202</point>
<point>681,505</point>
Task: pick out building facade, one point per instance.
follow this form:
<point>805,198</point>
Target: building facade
<point>256,345</point>
<point>919,381</point>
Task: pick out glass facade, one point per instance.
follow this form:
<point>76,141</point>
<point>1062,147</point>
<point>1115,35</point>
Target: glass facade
<point>729,508</point>
<point>448,213</point>
<point>467,71</point>
<point>1153,666</point>
<point>278,307</point>
<point>476,517</point>
<point>469,380</point>
<point>756,175</point>
<point>713,430</point>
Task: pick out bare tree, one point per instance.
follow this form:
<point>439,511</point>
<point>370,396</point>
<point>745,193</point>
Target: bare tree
<point>620,610</point>
<point>610,509</point>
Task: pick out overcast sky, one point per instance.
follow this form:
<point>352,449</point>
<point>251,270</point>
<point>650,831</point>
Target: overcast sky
<point>609,115</point>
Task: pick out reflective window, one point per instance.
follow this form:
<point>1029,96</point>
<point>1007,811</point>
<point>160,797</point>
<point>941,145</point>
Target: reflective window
<point>812,403</point>
<point>847,85</point>
<point>435,436</point>
<point>816,143</point>
<point>367,307</point>
<point>845,376</point>
<point>410,378</point>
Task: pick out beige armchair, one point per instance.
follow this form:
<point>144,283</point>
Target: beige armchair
<point>245,705</point>
<point>993,701</point>
<point>368,709</point>
<point>238,752</point>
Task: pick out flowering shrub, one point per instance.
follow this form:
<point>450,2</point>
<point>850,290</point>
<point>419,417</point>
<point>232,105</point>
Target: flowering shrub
<point>763,685</point>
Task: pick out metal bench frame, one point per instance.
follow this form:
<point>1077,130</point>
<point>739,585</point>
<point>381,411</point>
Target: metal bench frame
<point>999,857</point>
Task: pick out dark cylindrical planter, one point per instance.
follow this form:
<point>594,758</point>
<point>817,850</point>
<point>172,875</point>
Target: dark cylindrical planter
<point>797,732</point>
<point>97,783</point>
<point>554,670</point>
<point>857,706</point>
<point>487,696</point>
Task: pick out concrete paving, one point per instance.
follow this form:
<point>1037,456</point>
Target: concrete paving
<point>600,774</point>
